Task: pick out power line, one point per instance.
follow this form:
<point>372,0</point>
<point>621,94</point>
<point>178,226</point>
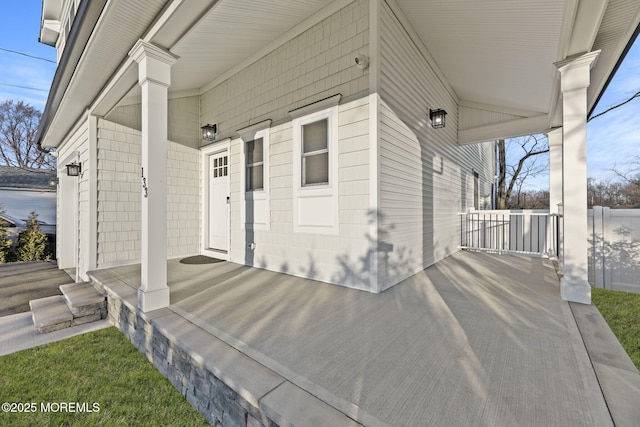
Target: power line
<point>26,54</point>
<point>24,87</point>
<point>636,95</point>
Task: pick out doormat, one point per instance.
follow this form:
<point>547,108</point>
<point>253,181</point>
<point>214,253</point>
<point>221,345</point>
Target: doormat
<point>199,259</point>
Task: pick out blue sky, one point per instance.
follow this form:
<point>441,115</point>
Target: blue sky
<point>19,31</point>
<point>615,136</point>
<point>611,139</point>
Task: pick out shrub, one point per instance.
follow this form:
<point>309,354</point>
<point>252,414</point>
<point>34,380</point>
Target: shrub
<point>5,243</point>
<point>32,245</point>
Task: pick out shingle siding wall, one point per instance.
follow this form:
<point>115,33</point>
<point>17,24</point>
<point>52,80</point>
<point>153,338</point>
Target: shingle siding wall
<point>183,197</point>
<point>119,197</point>
<point>425,177</point>
<point>119,218</point>
<point>184,124</point>
<point>314,65</point>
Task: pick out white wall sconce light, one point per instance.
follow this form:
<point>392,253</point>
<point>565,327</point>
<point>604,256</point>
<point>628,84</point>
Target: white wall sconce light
<point>74,169</point>
<point>209,132</point>
<point>437,118</point>
<point>362,61</point>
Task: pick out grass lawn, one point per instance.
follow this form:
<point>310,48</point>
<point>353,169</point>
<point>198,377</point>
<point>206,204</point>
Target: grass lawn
<point>99,367</point>
<point>621,310</point>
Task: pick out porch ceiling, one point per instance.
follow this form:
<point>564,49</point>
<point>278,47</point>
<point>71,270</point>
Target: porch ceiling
<point>232,32</point>
<point>493,53</point>
<point>500,54</point>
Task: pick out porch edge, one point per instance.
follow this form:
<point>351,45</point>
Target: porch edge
<point>223,384</point>
<point>617,376</point>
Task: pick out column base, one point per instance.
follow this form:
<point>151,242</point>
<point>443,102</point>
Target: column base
<point>575,291</point>
<point>153,300</point>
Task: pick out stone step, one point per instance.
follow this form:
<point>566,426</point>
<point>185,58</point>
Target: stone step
<point>50,314</point>
<point>85,302</point>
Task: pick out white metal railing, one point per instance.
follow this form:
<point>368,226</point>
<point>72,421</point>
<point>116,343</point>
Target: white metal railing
<point>503,231</point>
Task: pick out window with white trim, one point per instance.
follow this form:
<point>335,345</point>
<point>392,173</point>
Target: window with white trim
<point>254,164</point>
<point>315,153</point>
<point>255,210</point>
<point>315,167</point>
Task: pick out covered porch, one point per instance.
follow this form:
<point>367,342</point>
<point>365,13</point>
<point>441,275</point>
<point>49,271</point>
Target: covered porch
<point>536,68</point>
<point>476,339</point>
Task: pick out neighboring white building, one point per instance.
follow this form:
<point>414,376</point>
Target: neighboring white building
<point>23,191</point>
<point>325,163</point>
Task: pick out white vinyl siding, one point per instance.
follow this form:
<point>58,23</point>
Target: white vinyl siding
<point>313,66</point>
<point>425,178</point>
<point>77,147</point>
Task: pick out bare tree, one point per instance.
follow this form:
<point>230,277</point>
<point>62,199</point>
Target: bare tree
<point>18,147</point>
<point>512,176</point>
<point>510,192</point>
<point>624,193</point>
<point>629,175</point>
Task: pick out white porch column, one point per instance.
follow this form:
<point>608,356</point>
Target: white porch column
<point>574,80</point>
<point>154,77</point>
<point>555,181</point>
<point>555,169</point>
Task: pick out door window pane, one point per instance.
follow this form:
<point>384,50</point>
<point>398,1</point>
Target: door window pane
<point>218,169</point>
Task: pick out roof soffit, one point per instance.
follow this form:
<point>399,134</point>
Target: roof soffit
<point>490,52</point>
<point>118,27</point>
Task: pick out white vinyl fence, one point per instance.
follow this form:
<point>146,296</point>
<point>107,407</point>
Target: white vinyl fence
<point>614,248</point>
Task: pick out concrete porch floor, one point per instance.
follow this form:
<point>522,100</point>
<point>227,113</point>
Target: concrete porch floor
<point>476,339</point>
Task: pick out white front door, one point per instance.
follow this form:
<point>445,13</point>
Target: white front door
<point>218,229</point>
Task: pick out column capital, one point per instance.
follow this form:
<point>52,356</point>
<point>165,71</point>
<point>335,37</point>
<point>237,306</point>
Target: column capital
<point>142,50</point>
<point>554,137</point>
<point>154,63</point>
<point>574,71</point>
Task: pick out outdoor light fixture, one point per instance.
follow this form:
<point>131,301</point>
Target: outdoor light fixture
<point>209,132</point>
<point>437,118</point>
<point>362,61</point>
<point>74,169</point>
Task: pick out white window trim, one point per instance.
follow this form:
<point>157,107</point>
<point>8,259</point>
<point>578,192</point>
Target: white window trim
<point>325,194</point>
<point>251,133</point>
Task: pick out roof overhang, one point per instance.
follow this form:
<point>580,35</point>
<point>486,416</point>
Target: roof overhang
<point>498,57</point>
<point>50,21</point>
<point>495,57</point>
